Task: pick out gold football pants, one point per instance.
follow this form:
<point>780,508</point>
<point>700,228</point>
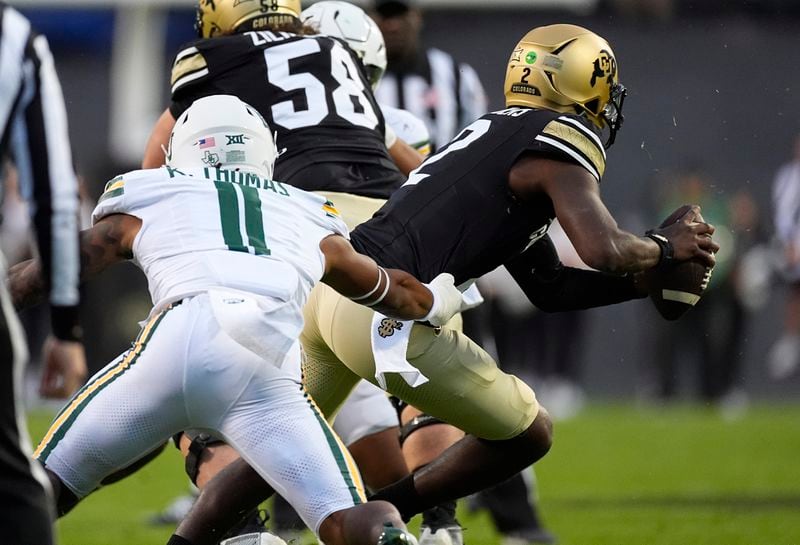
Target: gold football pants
<point>465,386</point>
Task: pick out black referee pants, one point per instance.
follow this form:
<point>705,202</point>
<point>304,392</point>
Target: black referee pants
<point>25,508</point>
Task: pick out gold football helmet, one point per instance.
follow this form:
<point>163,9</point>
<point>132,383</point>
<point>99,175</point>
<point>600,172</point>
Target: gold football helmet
<point>567,68</point>
<point>220,17</point>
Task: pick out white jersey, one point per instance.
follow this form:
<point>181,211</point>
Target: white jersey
<point>206,228</point>
<point>408,127</point>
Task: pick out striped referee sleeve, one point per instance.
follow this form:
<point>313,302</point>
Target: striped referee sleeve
<point>39,141</point>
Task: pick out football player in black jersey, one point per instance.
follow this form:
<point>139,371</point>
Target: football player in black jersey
<point>485,200</point>
<point>310,88</point>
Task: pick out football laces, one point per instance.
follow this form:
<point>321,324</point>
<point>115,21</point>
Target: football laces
<point>706,278</point>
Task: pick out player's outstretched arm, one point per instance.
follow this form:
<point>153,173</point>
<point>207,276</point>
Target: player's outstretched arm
<point>109,241</point>
<point>600,243</point>
<point>389,291</point>
<point>552,287</point>
<point>405,157</point>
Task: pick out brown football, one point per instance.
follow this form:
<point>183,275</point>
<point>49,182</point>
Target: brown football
<point>676,288</point>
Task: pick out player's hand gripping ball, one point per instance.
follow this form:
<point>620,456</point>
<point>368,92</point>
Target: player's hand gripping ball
<point>674,288</point>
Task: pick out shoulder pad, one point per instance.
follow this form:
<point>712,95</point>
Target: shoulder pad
<point>572,136</point>
<point>189,65</point>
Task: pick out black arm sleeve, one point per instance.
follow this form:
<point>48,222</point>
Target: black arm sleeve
<point>552,287</point>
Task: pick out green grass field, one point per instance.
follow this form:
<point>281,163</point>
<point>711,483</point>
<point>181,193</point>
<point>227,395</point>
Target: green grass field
<point>617,475</point>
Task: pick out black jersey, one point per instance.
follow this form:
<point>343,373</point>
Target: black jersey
<point>457,214</point>
<point>310,89</point>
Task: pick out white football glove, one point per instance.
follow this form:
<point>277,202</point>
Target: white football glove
<point>446,300</point>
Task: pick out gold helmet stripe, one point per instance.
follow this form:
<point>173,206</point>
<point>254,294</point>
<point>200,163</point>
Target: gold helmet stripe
<point>188,66</point>
<point>578,141</point>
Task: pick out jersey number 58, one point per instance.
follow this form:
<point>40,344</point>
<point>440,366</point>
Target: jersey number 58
<point>349,100</point>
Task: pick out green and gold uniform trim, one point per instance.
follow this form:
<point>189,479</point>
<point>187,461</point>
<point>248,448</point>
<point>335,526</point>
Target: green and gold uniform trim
<point>423,147</point>
<point>577,141</point>
<point>114,188</point>
<point>330,209</point>
<point>189,65</point>
<point>347,466</point>
<point>84,396</point>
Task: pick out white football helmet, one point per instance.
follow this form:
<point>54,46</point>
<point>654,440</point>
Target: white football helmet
<point>221,131</point>
<point>351,24</point>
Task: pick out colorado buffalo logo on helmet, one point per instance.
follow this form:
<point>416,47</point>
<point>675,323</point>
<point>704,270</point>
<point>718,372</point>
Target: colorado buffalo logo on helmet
<point>605,66</point>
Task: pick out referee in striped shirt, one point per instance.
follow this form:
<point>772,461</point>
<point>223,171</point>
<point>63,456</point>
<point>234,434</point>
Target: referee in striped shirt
<point>447,95</point>
<point>33,121</point>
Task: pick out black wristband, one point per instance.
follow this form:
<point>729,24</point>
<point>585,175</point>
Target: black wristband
<point>667,251</point>
<point>65,324</point>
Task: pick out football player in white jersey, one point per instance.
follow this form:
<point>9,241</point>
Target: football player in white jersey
<point>366,422</point>
<point>351,25</point>
<point>230,257</point>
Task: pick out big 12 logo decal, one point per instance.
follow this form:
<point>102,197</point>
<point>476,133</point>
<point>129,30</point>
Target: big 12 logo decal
<point>605,66</point>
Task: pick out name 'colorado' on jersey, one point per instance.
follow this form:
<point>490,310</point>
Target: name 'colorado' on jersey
<point>307,88</point>
<point>457,214</point>
<point>204,228</point>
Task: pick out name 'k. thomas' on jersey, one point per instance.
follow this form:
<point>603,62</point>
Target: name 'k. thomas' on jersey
<point>456,213</point>
<point>204,228</point>
<point>310,89</point>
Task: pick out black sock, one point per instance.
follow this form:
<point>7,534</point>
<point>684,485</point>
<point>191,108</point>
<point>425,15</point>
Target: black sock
<point>403,495</point>
<point>178,540</point>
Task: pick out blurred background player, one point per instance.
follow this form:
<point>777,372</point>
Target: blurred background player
<point>714,358</point>
<point>784,356</point>
<point>34,132</point>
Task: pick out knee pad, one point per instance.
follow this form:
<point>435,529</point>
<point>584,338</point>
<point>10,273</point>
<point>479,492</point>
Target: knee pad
<point>417,423</point>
